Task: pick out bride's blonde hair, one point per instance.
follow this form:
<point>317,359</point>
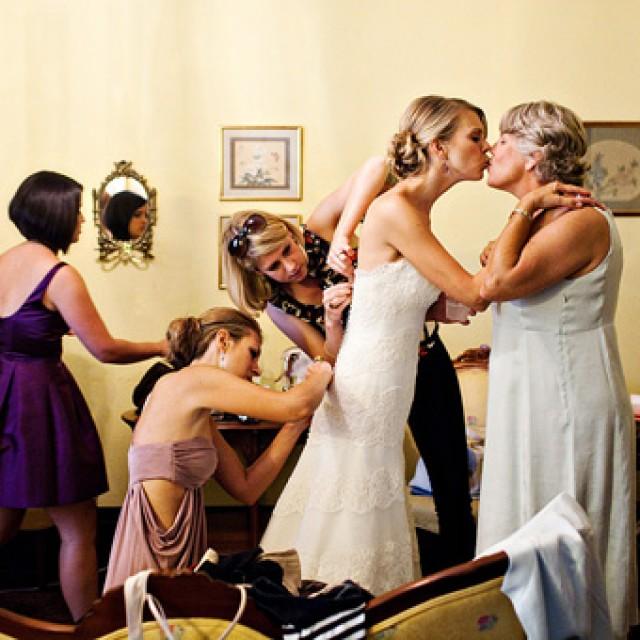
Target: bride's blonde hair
<point>426,119</point>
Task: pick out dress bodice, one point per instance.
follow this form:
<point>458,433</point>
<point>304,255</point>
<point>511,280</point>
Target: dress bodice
<point>390,299</point>
<point>574,304</point>
<point>34,331</point>
<point>187,463</point>
<point>374,376</point>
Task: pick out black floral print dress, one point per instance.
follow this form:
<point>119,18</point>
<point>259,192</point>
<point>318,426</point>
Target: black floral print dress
<point>317,250</point>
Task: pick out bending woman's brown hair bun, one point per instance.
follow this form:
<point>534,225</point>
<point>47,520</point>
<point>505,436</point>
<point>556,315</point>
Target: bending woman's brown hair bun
<point>190,337</point>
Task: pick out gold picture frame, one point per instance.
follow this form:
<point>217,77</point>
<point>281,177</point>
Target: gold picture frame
<point>261,163</point>
<point>613,154</point>
<point>294,218</point>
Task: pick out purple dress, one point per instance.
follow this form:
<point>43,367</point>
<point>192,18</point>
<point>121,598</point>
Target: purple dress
<point>50,452</point>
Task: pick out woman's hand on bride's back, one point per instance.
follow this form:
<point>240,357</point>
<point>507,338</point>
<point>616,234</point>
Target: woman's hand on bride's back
<point>321,370</point>
<point>335,300</point>
<point>311,390</point>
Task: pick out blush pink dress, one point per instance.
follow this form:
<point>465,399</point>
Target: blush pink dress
<point>141,541</point>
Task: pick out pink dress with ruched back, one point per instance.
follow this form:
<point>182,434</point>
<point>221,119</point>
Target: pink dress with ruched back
<point>141,541</point>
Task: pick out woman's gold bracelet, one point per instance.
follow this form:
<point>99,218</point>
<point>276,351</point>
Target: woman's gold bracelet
<point>522,212</point>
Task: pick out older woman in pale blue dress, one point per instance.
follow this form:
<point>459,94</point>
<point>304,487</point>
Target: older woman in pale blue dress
<point>559,417</point>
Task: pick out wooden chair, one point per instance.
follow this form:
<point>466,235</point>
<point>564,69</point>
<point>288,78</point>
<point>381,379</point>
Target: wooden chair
<point>460,603</point>
<point>463,602</point>
<point>201,607</point>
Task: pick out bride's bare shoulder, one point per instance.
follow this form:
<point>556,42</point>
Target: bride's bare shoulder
<point>390,204</point>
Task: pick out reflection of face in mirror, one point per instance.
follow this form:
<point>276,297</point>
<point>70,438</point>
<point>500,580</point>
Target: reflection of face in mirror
<point>138,222</point>
<point>126,215</point>
<point>124,212</point>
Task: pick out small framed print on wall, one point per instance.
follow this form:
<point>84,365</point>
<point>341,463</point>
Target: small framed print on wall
<point>614,156</point>
<point>294,218</point>
<point>261,163</point>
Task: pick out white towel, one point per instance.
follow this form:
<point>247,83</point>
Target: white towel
<point>554,580</point>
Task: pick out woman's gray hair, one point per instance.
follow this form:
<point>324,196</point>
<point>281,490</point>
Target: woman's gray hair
<point>556,132</point>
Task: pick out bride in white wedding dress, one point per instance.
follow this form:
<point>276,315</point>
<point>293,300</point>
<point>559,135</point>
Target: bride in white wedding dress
<point>344,508</point>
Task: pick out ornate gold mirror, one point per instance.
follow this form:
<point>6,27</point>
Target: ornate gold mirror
<point>124,212</point>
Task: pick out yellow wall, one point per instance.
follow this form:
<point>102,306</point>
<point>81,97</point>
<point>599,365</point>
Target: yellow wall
<point>88,82</point>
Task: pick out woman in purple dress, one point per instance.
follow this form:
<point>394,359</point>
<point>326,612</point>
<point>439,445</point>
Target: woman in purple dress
<point>50,452</point>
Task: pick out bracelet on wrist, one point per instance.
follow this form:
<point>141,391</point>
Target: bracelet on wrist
<point>523,212</point>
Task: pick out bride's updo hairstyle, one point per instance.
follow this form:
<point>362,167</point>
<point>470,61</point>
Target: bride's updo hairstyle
<point>426,119</point>
<point>249,289</point>
<point>189,338</point>
<point>556,132</point>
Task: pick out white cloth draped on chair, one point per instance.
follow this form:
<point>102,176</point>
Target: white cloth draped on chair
<point>554,581</point>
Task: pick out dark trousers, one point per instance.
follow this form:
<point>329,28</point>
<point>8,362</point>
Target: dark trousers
<point>438,426</point>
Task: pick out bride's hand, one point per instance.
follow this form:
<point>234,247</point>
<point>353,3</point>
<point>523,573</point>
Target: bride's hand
<point>341,256</point>
<point>556,194</point>
<point>448,311</point>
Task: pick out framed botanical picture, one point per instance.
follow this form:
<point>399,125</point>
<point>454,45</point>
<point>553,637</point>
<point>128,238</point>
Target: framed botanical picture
<point>614,156</point>
<point>261,163</point>
<point>294,218</point>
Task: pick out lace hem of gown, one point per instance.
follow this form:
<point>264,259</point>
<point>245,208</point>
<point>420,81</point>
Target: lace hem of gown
<point>379,569</point>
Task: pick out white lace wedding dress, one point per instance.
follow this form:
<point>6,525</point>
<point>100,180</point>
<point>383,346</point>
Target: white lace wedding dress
<point>344,508</point>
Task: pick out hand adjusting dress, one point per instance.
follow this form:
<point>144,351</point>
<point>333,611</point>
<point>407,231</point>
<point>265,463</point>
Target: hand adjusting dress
<point>141,541</point>
<point>50,453</point>
<point>344,508</point>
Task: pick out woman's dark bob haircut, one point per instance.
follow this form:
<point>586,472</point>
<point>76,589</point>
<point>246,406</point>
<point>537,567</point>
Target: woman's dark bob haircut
<point>119,211</point>
<point>45,208</point>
